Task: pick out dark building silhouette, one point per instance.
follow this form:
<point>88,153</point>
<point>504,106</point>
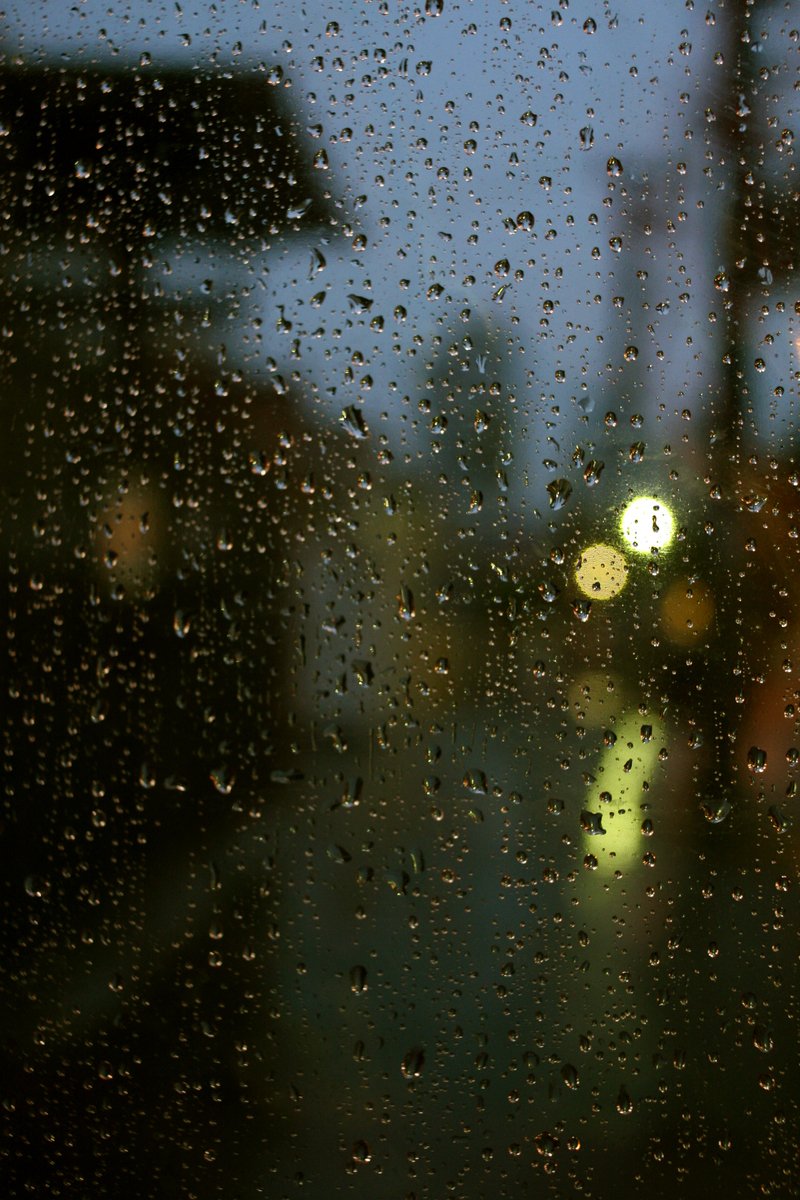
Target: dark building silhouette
<point>144,682</point>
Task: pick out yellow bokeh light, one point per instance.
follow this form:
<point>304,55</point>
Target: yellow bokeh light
<point>129,536</point>
<point>647,524</point>
<point>601,572</point>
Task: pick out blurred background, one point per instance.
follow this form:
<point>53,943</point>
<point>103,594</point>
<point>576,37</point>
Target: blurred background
<point>399,523</point>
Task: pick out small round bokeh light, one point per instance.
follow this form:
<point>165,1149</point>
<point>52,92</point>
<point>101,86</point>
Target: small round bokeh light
<point>601,572</point>
<point>647,525</point>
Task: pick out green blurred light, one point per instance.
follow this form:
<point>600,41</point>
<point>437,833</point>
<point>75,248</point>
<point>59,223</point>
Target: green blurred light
<point>647,525</point>
<point>623,771</point>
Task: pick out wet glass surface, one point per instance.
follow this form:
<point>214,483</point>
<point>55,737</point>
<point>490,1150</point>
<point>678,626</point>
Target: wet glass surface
<point>400,522</point>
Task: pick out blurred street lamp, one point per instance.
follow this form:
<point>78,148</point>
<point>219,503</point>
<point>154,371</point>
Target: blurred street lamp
<point>647,524</point>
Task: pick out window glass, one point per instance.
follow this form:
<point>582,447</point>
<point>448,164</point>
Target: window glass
<point>400,522</point>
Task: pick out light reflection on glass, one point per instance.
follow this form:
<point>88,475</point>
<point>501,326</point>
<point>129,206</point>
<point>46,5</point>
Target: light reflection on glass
<point>626,771</point>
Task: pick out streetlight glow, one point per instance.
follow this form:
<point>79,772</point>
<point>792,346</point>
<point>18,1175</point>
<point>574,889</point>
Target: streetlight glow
<point>647,525</point>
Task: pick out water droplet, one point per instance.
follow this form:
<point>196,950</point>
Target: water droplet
<point>592,473</point>
<point>361,1153</point>
<point>36,887</point>
<point>290,776</point>
<point>545,1144</point>
<point>359,304</point>
<point>413,1062</point>
<point>779,822</point>
<point>223,780</point>
<point>362,669</point>
<point>624,1102</point>
<point>529,118</point>
<point>762,1039</point>
<point>397,881</point>
<point>549,592</point>
<point>721,282</point>
<point>338,854</point>
<point>715,811</point>
<point>570,1075</point>
<point>525,220</point>
<point>631,353</point>
<point>405,603</point>
<point>358,979</point>
<point>353,421</point>
<point>147,778</point>
<point>757,760</point>
<point>475,781</point>
<point>317,264</point>
<point>614,167</point>
<point>592,822</point>
<point>582,609</point>
<point>181,623</point>
<point>259,463</point>
<point>559,492</point>
<point>586,137</point>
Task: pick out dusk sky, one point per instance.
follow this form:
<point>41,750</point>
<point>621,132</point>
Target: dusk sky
<point>440,124</point>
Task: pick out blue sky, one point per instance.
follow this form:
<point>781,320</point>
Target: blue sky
<point>427,119</point>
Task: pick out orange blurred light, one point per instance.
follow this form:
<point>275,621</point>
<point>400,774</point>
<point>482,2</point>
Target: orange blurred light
<point>687,611</point>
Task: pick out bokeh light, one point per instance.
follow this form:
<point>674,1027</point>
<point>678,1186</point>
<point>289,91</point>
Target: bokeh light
<point>687,611</point>
<point>647,525</point>
<point>601,572</point>
<point>627,767</point>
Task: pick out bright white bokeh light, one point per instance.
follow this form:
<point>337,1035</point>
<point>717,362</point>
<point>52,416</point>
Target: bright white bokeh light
<point>647,524</point>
